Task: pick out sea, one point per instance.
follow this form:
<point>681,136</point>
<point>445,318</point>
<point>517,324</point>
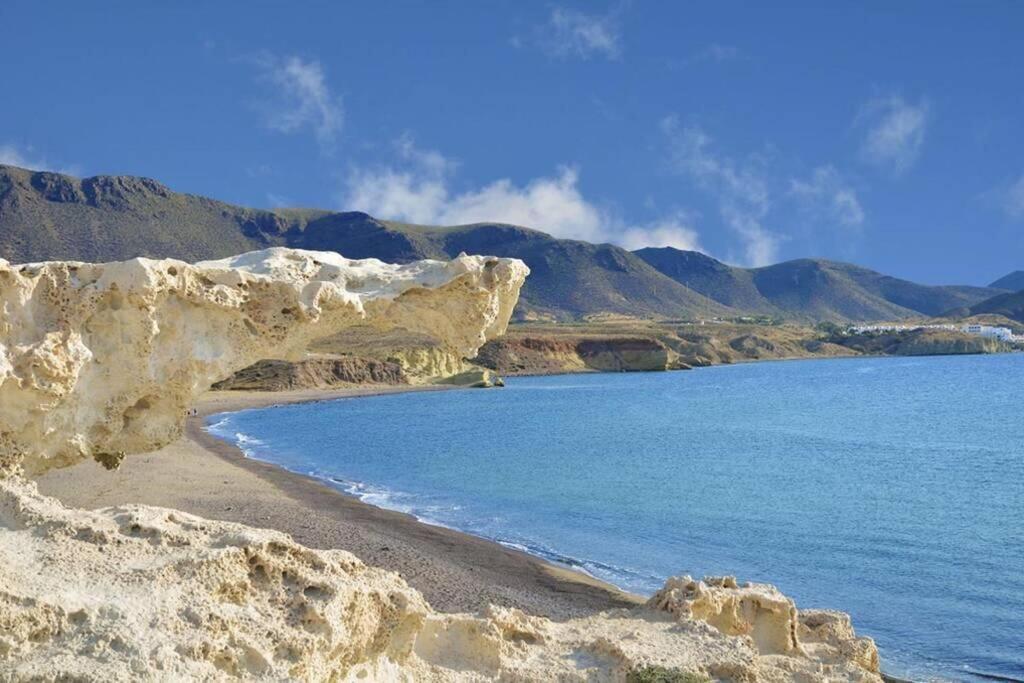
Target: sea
<point>888,488</point>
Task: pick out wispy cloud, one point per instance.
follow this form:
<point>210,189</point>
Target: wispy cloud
<point>826,197</point>
<point>751,195</point>
<point>26,157</point>
<point>300,98</point>
<point>895,132</point>
<point>740,188</point>
<point>276,201</point>
<point>419,192</point>
<point>571,33</point>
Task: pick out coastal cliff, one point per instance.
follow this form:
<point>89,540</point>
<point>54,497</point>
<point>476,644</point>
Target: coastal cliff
<point>548,354</point>
<point>103,360</point>
<point>313,373</point>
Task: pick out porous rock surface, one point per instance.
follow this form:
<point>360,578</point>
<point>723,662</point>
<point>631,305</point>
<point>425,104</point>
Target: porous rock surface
<point>98,360</point>
<point>91,354</point>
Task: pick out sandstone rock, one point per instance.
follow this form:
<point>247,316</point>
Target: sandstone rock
<point>475,378</point>
<point>313,373</point>
<point>102,359</point>
<point>537,354</point>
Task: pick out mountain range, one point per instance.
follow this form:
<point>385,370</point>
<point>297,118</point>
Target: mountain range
<point>47,216</point>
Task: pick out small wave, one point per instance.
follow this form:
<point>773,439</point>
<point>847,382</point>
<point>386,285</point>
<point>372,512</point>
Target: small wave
<point>223,429</point>
<point>217,426</point>
<point>390,499</point>
<point>621,577</point>
<point>399,501</point>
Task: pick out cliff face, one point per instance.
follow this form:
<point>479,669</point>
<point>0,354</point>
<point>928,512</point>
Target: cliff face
<point>923,343</point>
<point>545,355</point>
<point>97,358</point>
<point>313,373</point>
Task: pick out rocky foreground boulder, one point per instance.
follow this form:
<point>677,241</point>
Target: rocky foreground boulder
<point>103,360</point>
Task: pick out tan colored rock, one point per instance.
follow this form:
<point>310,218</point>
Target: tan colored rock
<point>97,360</point>
<point>142,593</point>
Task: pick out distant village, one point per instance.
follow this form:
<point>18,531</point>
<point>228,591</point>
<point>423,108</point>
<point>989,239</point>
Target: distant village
<point>1001,333</point>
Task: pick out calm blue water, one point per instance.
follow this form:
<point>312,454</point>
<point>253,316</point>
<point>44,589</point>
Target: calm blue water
<point>889,488</point>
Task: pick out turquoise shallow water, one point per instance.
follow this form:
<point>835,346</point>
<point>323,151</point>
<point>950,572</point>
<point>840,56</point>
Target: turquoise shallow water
<point>892,489</point>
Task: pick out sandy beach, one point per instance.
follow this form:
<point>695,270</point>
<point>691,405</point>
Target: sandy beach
<point>205,476</point>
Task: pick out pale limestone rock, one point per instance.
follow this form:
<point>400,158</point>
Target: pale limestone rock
<point>142,593</point>
<point>99,359</point>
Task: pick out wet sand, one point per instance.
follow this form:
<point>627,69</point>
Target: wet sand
<point>206,476</point>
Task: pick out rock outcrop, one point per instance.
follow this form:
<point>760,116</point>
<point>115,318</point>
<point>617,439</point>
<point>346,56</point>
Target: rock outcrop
<point>313,373</point>
<point>539,354</point>
<point>922,343</point>
<point>97,359</point>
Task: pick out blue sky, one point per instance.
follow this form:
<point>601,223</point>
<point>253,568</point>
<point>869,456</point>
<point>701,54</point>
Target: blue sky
<point>888,134</point>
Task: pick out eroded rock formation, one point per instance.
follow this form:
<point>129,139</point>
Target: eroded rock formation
<point>99,359</point>
<point>538,354</point>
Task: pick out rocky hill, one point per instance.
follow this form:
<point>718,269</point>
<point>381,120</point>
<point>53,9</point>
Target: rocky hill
<point>45,216</point>
<point>811,289</point>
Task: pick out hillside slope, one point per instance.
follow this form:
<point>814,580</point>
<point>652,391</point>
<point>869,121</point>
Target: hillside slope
<point>53,216</point>
<point>814,289</point>
<point>45,216</point>
<point>49,216</point>
<point>1009,305</point>
<point>1013,282</point>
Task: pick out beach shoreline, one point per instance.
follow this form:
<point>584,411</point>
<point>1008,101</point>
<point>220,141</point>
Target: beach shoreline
<point>204,475</point>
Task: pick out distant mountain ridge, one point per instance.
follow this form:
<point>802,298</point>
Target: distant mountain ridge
<point>54,216</point>
<point>1008,304</point>
<point>815,289</point>
<point>1013,282</point>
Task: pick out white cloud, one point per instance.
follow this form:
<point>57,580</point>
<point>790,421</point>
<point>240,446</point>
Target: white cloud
<point>826,196</point>
<point>25,157</point>
<point>12,156</point>
<point>301,98</point>
<point>895,132</point>
<point>570,33</point>
<point>740,189</point>
<point>420,192</point>
<point>674,231</point>
<point>1013,200</point>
